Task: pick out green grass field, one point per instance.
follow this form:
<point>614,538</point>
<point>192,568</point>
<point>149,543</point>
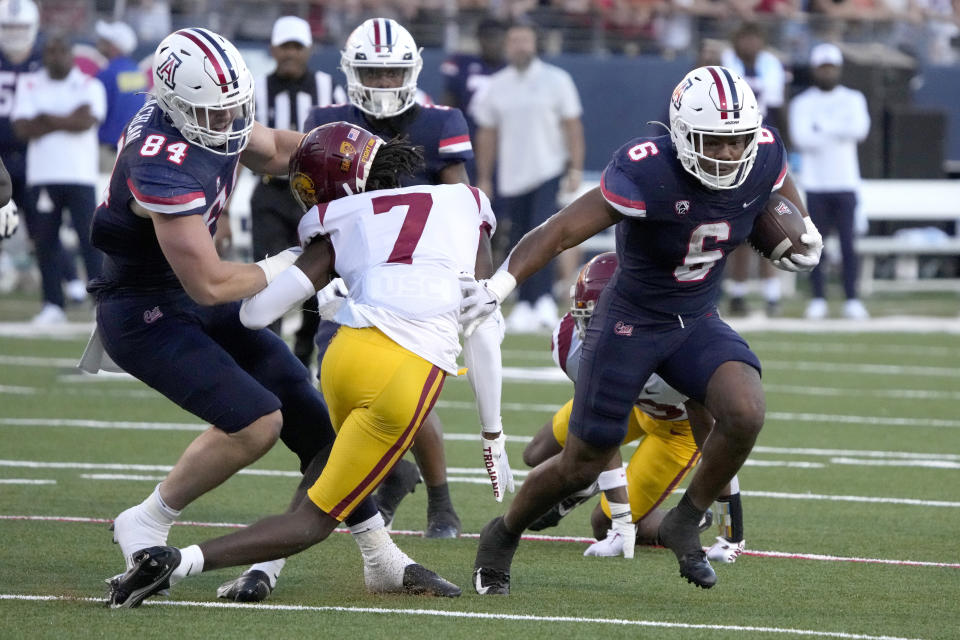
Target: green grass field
<point>851,502</point>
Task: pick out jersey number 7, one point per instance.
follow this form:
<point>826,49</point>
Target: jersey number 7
<point>418,206</point>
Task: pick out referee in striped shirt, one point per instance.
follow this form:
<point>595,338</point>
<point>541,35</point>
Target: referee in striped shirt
<point>284,98</point>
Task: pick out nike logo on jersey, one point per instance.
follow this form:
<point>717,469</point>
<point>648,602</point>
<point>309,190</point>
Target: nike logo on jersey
<point>747,204</point>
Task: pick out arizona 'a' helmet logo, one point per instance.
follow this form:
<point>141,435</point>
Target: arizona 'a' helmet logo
<point>168,69</point>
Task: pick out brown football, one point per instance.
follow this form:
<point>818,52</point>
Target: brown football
<point>777,230</point>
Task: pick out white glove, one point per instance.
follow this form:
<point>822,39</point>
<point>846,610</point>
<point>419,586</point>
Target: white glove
<point>804,261</point>
<point>483,297</point>
<point>331,298</point>
<point>725,551</point>
<point>273,265</point>
<point>497,465</point>
<point>9,220</point>
<point>621,539</point>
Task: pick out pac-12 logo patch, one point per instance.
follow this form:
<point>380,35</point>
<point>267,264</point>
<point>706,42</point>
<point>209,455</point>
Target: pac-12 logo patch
<point>168,70</point>
<point>681,207</point>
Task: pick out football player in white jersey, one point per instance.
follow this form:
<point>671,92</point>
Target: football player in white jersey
<point>662,420</point>
<point>401,253</point>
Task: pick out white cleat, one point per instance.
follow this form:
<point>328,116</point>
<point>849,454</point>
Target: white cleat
<point>725,551</point>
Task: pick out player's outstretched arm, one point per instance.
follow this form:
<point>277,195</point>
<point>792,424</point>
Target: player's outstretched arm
<point>188,247</point>
<point>481,352</point>
<point>581,219</point>
<point>292,286</point>
<point>269,150</point>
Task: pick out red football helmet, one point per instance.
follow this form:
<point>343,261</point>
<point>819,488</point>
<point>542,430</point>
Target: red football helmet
<point>332,161</point>
<point>593,277</point>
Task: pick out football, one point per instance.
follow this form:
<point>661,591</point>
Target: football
<point>777,230</point>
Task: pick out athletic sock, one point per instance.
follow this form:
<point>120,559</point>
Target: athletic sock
<point>191,563</point>
<point>438,498</point>
<point>272,568</point>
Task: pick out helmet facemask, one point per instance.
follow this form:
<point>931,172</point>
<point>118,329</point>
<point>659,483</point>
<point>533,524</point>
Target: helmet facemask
<point>380,44</point>
<point>714,102</point>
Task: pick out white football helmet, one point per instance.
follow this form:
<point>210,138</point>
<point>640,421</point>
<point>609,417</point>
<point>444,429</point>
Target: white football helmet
<point>714,101</point>
<point>381,43</point>
<point>205,88</point>
<point>19,21</point>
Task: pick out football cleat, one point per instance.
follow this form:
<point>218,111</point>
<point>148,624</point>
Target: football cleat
<point>402,479</point>
<point>251,586</point>
<point>558,511</point>
<point>683,538</point>
<point>420,581</point>
<point>706,520</point>
<point>442,524</point>
<point>725,551</point>
<point>491,574</point>
<point>149,574</point>
<point>491,582</point>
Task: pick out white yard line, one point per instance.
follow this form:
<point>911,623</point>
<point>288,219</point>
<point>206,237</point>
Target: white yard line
<point>477,615</point>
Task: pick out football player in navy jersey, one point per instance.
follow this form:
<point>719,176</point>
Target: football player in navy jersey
<point>168,307</point>
<point>681,203</point>
<point>381,61</point>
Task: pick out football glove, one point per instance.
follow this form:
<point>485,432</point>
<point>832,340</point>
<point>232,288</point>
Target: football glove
<point>804,261</point>
<point>331,298</point>
<point>482,297</point>
<point>273,265</point>
<point>725,551</point>
<point>9,220</point>
<point>621,539</point>
<point>497,466</point>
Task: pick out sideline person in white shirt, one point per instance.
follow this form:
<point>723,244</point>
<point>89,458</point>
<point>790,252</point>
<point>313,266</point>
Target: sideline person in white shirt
<point>58,110</point>
<point>827,122</point>
<point>528,124</point>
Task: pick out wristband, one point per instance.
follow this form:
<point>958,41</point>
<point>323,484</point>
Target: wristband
<point>501,284</point>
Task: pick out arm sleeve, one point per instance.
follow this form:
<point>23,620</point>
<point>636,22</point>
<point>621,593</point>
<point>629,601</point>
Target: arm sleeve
<point>160,188</point>
<point>454,144</point>
<point>481,353</point>
<point>621,191</point>
<point>284,292</point>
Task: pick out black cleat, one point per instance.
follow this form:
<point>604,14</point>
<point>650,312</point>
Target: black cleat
<point>706,520</point>
<point>402,479</point>
<point>420,581</point>
<point>491,582</point>
<point>442,524</point>
<point>491,569</point>
<point>149,574</point>
<point>683,538</point>
<point>251,586</point>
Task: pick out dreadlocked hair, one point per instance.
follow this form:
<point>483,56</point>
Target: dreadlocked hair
<point>395,158</point>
